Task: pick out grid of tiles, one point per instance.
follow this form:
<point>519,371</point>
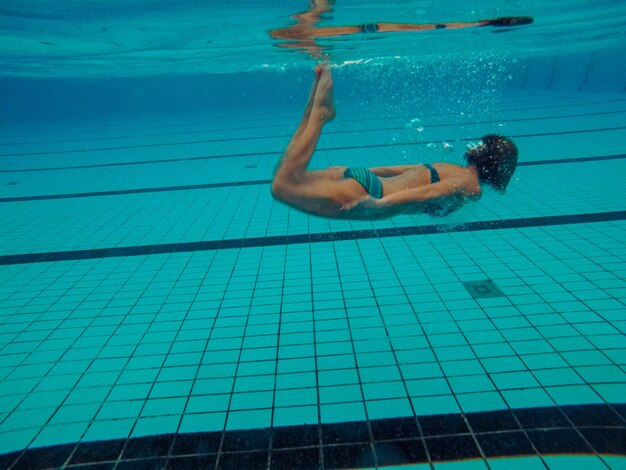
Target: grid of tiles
<point>358,330</point>
<point>254,338</point>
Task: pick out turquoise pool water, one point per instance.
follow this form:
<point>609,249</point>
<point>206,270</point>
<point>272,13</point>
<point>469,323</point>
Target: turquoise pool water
<point>160,309</point>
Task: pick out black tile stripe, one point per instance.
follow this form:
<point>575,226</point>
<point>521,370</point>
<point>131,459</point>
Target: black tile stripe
<point>309,238</point>
<point>275,136</point>
<point>556,161</point>
<point>45,197</point>
<point>142,162</point>
<point>278,152</point>
<point>397,441</point>
<point>133,191</point>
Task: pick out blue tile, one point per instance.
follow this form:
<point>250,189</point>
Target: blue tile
<point>251,419</point>
<point>254,383</point>
<point>544,361</point>
<point>296,380</point>
<point>527,398</point>
<point>202,422</point>
<point>378,358</point>
<point>602,374</point>
<point>442,404</point>
<point>503,364</point>
<point>251,400</point>
<point>327,340</point>
<point>573,395</point>
<point>428,387</point>
<point>340,393</point>
<point>258,367</point>
<point>87,395</point>
<point>521,334</point>
<point>482,401</point>
<point>443,340</point>
<point>383,390</point>
<point>164,406</point>
<point>338,377</point>
<point>461,465</point>
<point>585,358</point>
<point>532,347</point>
<point>615,462</point>
<point>471,383</point>
<point>295,415</point>
<point>60,434</point>
<point>458,368</point>
<point>16,439</point>
<point>117,410</point>
<point>296,397</point>
<point>415,356</point>
<point>454,353</point>
<point>420,371</point>
<point>608,341</point>
<point>571,462</point>
<point>513,380</point>
<point>493,350</point>
<point>380,374</point>
<point>483,336</point>
<point>171,389</point>
<point>343,412</point>
<point>342,361</point>
<point>152,426</point>
<point>562,376</point>
<point>388,408</point>
<point>110,429</point>
<point>286,366</point>
<point>217,370</point>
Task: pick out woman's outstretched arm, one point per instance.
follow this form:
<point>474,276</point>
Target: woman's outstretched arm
<point>403,202</point>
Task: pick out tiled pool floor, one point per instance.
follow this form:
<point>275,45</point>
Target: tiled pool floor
<point>149,285</point>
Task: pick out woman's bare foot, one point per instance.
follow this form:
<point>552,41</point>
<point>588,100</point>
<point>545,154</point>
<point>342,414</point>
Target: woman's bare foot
<point>318,73</point>
<point>323,105</point>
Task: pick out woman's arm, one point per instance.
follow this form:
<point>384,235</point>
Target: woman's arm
<point>412,200</point>
<point>367,208</point>
<point>406,201</point>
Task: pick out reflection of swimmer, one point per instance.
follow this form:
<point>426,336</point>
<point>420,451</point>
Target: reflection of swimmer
<point>305,31</point>
<point>437,189</point>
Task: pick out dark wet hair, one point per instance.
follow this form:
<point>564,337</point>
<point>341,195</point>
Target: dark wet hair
<point>495,160</point>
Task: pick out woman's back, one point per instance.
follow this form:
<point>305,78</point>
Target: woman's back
<point>421,175</point>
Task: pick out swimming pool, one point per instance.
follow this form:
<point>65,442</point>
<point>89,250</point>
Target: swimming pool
<point>160,309</point>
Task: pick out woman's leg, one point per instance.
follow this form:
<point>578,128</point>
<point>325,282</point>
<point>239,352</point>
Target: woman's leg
<point>309,104</point>
<point>292,167</point>
<point>321,192</point>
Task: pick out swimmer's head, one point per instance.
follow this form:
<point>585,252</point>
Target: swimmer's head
<point>495,158</point>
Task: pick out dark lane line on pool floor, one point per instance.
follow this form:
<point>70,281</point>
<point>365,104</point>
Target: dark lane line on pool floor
<point>238,243</point>
<point>45,197</point>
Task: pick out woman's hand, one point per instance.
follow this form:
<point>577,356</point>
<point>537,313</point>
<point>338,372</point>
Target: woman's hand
<point>364,207</point>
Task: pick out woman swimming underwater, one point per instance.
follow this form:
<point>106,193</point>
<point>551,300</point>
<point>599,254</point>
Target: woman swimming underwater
<point>361,193</point>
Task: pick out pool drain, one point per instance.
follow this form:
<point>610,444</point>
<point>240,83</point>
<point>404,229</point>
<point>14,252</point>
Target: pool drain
<point>483,289</point>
